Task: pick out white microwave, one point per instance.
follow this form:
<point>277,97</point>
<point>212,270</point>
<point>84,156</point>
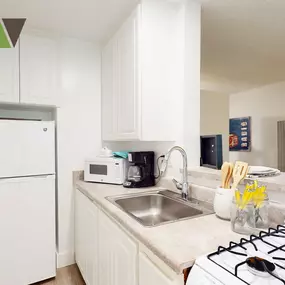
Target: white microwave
<point>106,170</point>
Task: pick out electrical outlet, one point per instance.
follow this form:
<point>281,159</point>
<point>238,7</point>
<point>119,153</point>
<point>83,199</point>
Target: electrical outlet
<point>163,166</point>
<point>170,165</point>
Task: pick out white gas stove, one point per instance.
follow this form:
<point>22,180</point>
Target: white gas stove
<point>257,260</point>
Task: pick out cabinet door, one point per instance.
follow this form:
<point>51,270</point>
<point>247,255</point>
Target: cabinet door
<point>92,244</point>
<point>109,107</point>
<point>80,231</point>
<point>117,254</point>
<point>38,70</point>
<point>86,241</point>
<point>9,75</point>
<point>149,273</point>
<point>127,80</point>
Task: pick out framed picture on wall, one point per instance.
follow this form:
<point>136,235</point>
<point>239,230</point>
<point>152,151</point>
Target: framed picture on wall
<point>240,134</point>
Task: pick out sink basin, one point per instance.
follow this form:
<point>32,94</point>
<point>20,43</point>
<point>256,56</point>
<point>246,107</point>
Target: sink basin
<point>153,209</point>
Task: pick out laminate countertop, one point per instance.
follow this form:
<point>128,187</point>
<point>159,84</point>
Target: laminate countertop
<point>178,244</point>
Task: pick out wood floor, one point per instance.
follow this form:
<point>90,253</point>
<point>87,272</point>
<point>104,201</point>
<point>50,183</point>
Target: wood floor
<point>69,275</point>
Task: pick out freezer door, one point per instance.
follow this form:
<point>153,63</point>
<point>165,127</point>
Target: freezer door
<point>27,223</point>
<point>26,148</point>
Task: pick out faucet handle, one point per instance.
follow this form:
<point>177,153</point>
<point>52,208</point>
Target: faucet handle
<point>177,184</point>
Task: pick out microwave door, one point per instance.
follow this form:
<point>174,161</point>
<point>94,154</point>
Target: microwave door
<point>98,169</point>
<point>102,171</point>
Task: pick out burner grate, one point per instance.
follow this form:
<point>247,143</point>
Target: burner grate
<point>279,232</point>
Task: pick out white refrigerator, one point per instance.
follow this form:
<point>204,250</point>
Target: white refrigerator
<point>27,201</point>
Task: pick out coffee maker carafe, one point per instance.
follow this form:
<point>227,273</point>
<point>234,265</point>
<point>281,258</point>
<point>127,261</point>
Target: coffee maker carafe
<point>141,169</point>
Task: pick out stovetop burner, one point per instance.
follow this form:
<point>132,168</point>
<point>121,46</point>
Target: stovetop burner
<point>261,256</point>
<point>259,266</point>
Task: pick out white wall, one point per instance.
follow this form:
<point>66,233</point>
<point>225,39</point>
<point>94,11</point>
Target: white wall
<point>215,117</point>
<point>78,129</point>
<point>159,148</point>
<point>266,106</point>
<point>192,67</point>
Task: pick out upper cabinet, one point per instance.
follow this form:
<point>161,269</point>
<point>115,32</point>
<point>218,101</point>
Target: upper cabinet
<point>38,70</point>
<point>142,76</point>
<point>109,122</point>
<point>9,74</point>
<point>126,85</point>
<point>120,83</point>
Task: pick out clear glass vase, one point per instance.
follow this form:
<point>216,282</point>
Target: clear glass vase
<point>242,220</point>
<point>261,215</point>
<point>251,219</point>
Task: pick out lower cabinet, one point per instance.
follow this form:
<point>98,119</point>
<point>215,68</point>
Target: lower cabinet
<point>149,273</point>
<point>86,238</point>
<point>117,255</point>
<point>107,255</point>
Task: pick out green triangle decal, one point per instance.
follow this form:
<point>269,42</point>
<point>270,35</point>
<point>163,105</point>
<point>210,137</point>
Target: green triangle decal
<point>4,42</point>
<point>14,28</point>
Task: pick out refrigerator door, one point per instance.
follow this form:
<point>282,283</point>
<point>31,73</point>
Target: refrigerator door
<point>27,223</point>
<point>27,148</point>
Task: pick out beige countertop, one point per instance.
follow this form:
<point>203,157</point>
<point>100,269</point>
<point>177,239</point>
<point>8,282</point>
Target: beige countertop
<point>178,244</point>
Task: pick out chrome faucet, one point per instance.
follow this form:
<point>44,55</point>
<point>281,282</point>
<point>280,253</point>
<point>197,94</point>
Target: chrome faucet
<point>184,186</point>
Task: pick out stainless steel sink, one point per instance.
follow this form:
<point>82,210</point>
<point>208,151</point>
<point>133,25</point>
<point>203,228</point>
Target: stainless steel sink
<point>157,208</point>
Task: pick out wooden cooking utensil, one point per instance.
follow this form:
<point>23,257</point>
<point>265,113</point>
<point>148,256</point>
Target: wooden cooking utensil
<point>230,174</point>
<point>225,173</point>
<point>239,173</point>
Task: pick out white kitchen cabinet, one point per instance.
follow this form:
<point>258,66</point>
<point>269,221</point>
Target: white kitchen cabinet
<point>9,75</point>
<point>126,86</point>
<point>38,70</point>
<point>109,120</point>
<point>86,238</point>
<point>147,75</point>
<point>107,255</point>
<point>104,253</point>
<point>149,273</point>
<point>120,98</point>
<point>117,255</point>
<point>80,231</point>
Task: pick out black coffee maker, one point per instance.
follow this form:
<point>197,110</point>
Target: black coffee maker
<point>140,170</point>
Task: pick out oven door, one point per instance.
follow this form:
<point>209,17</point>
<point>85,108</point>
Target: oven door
<point>198,276</point>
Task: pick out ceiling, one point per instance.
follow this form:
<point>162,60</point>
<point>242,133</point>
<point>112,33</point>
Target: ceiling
<point>94,20</point>
<point>243,44</point>
<point>243,41</point>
